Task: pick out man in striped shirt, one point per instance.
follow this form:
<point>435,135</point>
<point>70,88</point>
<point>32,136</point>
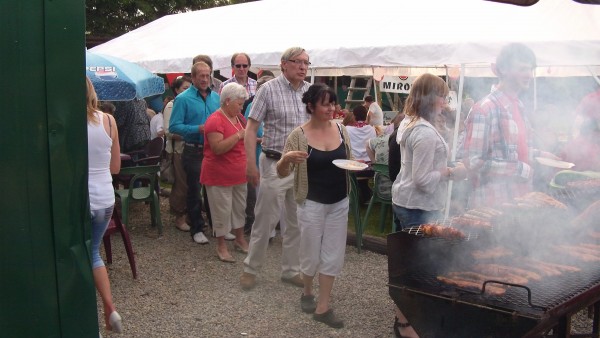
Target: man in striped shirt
<point>277,104</point>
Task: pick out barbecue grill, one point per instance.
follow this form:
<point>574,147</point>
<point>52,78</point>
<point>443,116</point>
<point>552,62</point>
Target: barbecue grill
<point>436,309</point>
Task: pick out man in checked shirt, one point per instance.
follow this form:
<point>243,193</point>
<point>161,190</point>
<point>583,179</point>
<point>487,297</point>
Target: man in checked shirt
<point>498,149</point>
<point>278,103</point>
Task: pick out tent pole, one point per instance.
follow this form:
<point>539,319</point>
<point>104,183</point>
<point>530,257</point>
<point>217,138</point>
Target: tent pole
<point>593,75</point>
<point>455,135</point>
<point>534,90</point>
<point>312,76</point>
<point>335,85</point>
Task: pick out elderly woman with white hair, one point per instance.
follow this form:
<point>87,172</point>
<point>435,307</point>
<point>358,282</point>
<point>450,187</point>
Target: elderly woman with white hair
<point>224,169</point>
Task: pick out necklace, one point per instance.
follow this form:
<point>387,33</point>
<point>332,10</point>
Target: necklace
<point>233,124</point>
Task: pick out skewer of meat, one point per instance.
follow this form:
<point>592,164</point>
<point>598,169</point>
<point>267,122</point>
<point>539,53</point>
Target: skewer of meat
<point>496,252</point>
<point>497,269</point>
<point>577,254</point>
<point>478,277</point>
<point>462,221</point>
<point>594,234</point>
<point>591,246</point>
<point>561,267</point>
<point>469,284</point>
<point>544,199</point>
<point>542,268</point>
<point>583,250</point>
<point>479,213</point>
<point>588,216</point>
<point>491,211</point>
<point>435,230</point>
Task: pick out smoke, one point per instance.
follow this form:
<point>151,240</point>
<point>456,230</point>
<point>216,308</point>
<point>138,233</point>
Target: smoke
<point>529,234</point>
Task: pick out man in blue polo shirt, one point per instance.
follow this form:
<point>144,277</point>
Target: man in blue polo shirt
<point>190,111</point>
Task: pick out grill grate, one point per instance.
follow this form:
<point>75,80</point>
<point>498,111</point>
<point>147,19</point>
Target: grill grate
<point>548,293</point>
<point>418,231</point>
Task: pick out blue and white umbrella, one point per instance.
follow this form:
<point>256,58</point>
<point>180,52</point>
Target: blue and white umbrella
<point>118,80</point>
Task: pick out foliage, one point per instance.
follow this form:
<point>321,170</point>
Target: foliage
<point>111,18</point>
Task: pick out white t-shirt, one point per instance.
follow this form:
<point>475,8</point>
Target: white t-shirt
<point>156,125</point>
<point>358,140</point>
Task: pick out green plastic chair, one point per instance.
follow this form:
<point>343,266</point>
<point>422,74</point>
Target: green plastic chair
<point>141,189</point>
<point>355,210</point>
<point>381,170</point>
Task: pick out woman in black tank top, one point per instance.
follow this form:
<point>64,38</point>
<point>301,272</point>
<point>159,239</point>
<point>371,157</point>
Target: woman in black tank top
<point>321,191</point>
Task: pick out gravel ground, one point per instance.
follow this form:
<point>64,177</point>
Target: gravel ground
<point>183,290</point>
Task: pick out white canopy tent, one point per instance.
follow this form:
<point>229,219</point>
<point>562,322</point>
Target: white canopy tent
<point>381,37</point>
<point>402,36</point>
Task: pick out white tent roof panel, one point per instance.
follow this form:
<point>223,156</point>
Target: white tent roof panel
<point>379,33</point>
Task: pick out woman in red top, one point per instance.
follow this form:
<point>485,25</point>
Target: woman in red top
<point>224,169</point>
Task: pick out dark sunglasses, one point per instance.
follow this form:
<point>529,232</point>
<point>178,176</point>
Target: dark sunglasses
<point>241,66</point>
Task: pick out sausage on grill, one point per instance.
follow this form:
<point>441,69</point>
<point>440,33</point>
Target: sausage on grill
<point>469,284</point>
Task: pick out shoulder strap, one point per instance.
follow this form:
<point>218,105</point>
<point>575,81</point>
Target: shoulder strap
<point>340,130</point>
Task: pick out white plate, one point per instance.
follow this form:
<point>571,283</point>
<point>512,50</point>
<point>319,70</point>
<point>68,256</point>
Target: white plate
<point>350,165</point>
<point>554,163</point>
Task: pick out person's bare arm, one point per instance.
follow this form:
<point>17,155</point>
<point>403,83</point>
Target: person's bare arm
<point>220,145</point>
<point>252,173</point>
<point>370,152</point>
<point>115,149</point>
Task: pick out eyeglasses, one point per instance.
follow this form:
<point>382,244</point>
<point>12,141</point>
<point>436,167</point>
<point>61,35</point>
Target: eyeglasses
<point>241,66</point>
<point>301,62</point>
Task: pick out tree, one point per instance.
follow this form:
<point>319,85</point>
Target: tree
<point>111,18</point>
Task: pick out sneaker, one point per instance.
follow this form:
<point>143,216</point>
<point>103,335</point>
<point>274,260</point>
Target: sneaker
<point>183,227</point>
<point>228,236</point>
<point>247,281</point>
<point>115,322</point>
<point>308,304</point>
<point>200,238</point>
<point>329,318</point>
<point>296,281</point>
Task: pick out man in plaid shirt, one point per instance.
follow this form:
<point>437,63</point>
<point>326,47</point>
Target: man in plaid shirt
<point>240,65</point>
<point>497,148</point>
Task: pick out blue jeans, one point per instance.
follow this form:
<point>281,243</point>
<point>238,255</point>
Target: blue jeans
<point>100,220</point>
<point>414,217</point>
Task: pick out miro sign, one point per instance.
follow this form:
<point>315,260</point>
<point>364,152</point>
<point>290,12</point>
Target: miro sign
<point>396,84</point>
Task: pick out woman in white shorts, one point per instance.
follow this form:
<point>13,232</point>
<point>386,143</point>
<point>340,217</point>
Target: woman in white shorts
<point>321,191</point>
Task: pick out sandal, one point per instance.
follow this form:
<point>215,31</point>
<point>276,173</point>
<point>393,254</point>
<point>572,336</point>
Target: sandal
<point>398,326</point>
<point>329,318</point>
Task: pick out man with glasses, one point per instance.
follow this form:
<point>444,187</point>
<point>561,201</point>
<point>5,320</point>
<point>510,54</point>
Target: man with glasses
<point>277,104</point>
<point>240,64</point>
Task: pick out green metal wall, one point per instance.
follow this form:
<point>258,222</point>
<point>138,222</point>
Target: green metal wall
<point>46,283</point>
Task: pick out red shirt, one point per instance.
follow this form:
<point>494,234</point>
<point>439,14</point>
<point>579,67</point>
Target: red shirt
<point>522,146</point>
<point>226,169</point>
